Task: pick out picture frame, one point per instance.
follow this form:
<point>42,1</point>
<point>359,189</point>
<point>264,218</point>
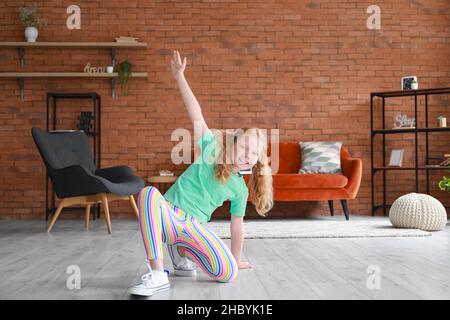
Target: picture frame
<point>406,81</point>
<point>248,171</point>
<point>396,159</point>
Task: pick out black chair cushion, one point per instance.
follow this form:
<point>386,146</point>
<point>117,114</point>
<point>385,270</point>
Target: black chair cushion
<point>120,180</point>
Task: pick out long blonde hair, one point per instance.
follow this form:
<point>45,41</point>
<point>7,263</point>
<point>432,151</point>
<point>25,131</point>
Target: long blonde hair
<point>260,183</point>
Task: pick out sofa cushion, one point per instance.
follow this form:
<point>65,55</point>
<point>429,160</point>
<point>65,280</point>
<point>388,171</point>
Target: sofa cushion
<point>320,157</point>
<point>308,181</point>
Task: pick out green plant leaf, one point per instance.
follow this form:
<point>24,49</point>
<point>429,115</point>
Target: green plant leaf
<point>29,18</point>
<point>124,75</point>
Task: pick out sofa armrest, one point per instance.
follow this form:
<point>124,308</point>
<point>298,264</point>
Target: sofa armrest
<point>352,169</point>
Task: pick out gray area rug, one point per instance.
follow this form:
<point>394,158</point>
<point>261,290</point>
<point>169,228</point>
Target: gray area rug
<point>304,228</point>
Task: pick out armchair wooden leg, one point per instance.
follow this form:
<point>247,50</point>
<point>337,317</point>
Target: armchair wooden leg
<point>56,215</point>
<point>330,205</point>
<point>88,215</point>
<point>345,208</point>
<point>135,208</point>
<point>106,209</point>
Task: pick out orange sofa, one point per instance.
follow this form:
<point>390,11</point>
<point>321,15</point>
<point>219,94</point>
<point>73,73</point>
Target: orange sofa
<point>289,185</point>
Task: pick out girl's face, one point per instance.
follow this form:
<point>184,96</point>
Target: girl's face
<point>246,151</point>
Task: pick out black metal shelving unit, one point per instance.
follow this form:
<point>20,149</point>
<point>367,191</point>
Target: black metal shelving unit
<point>52,99</point>
<point>373,132</point>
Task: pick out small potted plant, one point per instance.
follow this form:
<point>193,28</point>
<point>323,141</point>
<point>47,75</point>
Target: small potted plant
<point>444,184</point>
<point>414,84</point>
<point>124,75</point>
<point>30,20</point>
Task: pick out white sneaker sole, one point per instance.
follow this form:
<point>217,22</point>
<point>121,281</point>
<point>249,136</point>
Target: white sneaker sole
<point>147,292</point>
<point>185,273</point>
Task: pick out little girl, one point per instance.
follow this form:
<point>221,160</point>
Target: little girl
<point>178,217</point>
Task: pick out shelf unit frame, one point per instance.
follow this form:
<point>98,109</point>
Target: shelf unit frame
<point>51,124</point>
<point>390,94</point>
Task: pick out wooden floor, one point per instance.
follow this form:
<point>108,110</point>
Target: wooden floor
<point>33,265</point>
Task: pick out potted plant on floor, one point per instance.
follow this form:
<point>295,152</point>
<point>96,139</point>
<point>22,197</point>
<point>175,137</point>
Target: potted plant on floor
<point>444,184</point>
<point>30,20</point>
<point>124,75</point>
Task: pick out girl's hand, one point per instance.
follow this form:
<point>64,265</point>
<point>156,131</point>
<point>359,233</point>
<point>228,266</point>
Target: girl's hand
<point>176,65</point>
<point>245,265</point>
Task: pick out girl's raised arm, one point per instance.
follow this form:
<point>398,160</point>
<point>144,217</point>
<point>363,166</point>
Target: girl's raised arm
<point>193,107</point>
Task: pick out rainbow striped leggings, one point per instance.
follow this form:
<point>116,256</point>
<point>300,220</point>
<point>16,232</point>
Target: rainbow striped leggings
<point>161,221</point>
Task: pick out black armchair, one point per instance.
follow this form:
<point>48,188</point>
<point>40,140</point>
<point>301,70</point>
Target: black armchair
<point>76,180</point>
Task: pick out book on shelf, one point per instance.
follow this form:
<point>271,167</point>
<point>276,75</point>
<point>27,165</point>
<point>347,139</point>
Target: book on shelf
<point>433,166</point>
<point>249,171</point>
<point>399,128</point>
<point>165,173</point>
<point>127,39</point>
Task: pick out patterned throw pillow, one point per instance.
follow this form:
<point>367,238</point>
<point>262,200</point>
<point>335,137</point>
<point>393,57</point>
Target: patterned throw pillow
<point>321,157</point>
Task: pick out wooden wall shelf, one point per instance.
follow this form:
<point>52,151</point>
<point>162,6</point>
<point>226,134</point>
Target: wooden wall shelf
<point>74,45</point>
<point>113,46</point>
<point>22,75</point>
<point>38,44</point>
<point>67,75</point>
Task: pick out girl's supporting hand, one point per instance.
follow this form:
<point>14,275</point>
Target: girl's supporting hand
<point>245,265</point>
<point>176,65</point>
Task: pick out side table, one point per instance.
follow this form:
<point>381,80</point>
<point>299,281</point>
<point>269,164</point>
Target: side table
<point>162,183</point>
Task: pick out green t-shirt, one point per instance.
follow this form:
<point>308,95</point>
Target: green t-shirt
<point>197,191</point>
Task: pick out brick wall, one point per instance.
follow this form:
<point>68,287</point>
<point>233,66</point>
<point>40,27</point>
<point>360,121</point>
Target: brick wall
<point>304,67</point>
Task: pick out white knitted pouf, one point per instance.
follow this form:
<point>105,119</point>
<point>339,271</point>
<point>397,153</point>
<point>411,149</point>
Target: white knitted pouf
<point>418,211</point>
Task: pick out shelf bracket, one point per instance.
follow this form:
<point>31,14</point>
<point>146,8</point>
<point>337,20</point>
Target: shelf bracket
<point>113,56</point>
<point>113,88</point>
<point>21,87</point>
<point>22,57</point>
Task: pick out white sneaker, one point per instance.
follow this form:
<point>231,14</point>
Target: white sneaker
<point>182,266</point>
<point>153,282</point>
